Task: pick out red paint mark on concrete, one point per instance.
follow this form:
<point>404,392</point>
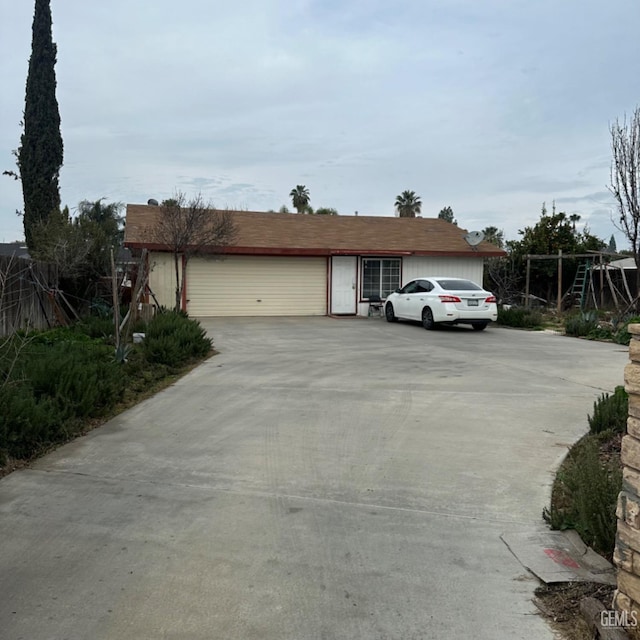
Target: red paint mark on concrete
<point>561,558</point>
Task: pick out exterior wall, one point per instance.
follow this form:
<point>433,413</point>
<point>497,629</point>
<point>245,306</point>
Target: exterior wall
<point>162,279</point>
<point>627,552</point>
<point>250,268</point>
<point>419,266</point>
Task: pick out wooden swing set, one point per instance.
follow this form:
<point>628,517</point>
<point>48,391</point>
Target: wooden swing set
<point>582,288</point>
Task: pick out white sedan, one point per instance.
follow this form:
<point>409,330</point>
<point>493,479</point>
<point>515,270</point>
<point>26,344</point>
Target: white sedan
<point>440,299</point>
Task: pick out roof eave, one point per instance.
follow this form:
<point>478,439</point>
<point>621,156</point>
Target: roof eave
<point>323,251</point>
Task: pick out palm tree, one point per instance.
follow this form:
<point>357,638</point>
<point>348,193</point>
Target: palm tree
<point>300,198</point>
<point>408,204</point>
<point>574,217</point>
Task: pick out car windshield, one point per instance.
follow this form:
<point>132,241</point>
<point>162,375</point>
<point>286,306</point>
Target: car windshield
<point>459,285</point>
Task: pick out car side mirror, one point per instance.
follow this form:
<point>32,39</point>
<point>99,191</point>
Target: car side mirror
<point>397,291</point>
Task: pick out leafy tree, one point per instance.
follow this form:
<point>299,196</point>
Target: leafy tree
<point>80,247</point>
<point>326,211</point>
<point>551,234</point>
<point>102,226</point>
<point>189,227</point>
<point>408,204</point>
<point>500,276</point>
<point>61,242</point>
<point>283,209</point>
<point>625,180</point>
<point>612,248</point>
<point>495,236</point>
<point>447,214</point>
<point>39,157</point>
<point>300,198</point>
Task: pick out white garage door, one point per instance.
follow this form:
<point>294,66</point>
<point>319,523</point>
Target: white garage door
<point>257,286</point>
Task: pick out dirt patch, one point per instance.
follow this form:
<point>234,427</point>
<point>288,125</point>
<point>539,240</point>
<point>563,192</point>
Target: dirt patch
<point>560,605</point>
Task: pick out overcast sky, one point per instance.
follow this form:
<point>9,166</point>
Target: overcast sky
<point>491,107</point>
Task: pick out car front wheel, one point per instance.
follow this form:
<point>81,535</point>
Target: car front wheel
<point>389,313</point>
<point>427,319</point>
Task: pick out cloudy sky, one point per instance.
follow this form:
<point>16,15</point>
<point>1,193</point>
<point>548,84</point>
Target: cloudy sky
<point>491,107</point>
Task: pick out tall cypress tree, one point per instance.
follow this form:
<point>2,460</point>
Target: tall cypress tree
<point>40,153</point>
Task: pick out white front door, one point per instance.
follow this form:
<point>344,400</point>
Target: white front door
<point>343,284</point>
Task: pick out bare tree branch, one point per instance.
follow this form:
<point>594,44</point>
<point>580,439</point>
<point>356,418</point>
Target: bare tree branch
<point>625,180</point>
<point>191,227</point>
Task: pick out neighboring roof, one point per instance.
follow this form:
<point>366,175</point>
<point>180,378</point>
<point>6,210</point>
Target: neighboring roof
<point>623,263</point>
<point>17,249</point>
<point>124,255</point>
<point>300,234</point>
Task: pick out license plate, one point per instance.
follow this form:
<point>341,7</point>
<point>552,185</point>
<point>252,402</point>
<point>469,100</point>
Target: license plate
<point>472,303</point>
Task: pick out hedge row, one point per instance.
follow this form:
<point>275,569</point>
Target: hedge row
<point>520,318</point>
<point>52,383</point>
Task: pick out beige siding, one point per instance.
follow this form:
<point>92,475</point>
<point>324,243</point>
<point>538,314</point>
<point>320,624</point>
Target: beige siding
<point>257,286</point>
<point>162,278</point>
<point>418,266</point>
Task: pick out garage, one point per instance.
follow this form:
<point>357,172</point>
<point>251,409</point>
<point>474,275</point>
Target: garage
<point>257,286</point>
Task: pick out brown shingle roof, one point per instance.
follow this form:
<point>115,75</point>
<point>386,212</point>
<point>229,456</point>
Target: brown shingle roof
<point>295,234</point>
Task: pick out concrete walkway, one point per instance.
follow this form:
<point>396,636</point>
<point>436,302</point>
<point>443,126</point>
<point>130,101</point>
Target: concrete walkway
<point>319,478</point>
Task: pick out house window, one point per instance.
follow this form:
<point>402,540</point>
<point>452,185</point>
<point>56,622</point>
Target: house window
<point>380,276</point>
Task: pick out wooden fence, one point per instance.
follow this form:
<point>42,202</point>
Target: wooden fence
<point>27,295</point>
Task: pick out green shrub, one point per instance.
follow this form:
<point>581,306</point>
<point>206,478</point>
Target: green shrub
<point>57,335</point>
<point>53,382</point>
<point>141,374</point>
<point>520,318</point>
<point>97,327</point>
<point>139,326</point>
<point>584,496</point>
<point>600,333</point>
<point>621,334</point>
<point>586,487</point>
<point>173,339</point>
<point>99,307</point>
<point>26,422</point>
<point>581,325</point>
<point>82,377</point>
<point>610,412</point>
<point>51,388</point>
<point>595,486</point>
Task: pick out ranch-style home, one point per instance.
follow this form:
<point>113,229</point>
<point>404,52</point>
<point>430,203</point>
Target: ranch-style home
<point>287,264</point>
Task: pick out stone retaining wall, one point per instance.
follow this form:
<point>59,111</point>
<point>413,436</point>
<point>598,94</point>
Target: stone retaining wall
<point>627,552</point>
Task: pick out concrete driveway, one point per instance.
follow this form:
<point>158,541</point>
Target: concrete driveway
<point>318,479</point>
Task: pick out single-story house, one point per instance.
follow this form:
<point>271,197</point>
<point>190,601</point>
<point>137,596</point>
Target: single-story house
<point>290,264</point>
